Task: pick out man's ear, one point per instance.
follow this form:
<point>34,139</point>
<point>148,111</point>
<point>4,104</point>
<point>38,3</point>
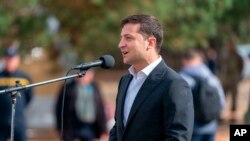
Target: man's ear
<point>151,42</point>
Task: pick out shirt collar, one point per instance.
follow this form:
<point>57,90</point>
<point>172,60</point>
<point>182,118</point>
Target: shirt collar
<point>147,70</point>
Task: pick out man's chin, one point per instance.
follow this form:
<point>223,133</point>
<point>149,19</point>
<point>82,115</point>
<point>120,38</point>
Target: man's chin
<point>126,62</point>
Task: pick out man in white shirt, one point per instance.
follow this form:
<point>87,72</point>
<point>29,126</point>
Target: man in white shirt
<point>153,103</point>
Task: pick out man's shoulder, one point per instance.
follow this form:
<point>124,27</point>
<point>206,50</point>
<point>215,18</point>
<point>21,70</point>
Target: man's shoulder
<point>171,77</point>
<point>1,73</point>
<point>172,74</point>
<point>20,73</point>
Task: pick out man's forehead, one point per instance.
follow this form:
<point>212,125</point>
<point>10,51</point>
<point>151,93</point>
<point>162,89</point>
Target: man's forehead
<point>131,26</point>
<point>129,29</point>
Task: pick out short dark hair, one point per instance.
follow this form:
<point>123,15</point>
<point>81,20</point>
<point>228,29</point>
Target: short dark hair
<point>191,53</point>
<point>149,26</point>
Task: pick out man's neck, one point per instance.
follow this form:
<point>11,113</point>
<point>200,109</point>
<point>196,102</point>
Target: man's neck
<point>143,65</point>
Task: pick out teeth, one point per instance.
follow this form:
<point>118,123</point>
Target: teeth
<point>124,52</point>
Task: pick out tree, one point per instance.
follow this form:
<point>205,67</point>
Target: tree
<point>92,27</point>
<point>21,22</point>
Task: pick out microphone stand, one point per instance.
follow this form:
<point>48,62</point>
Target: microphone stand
<point>14,92</point>
<point>13,96</point>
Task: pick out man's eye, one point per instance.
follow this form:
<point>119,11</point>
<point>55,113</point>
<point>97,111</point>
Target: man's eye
<point>129,38</point>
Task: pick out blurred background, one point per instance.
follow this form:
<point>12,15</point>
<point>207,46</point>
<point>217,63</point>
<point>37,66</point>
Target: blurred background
<point>53,36</point>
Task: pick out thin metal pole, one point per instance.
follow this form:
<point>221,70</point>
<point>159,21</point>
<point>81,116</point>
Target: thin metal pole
<point>9,90</point>
<point>13,119</point>
<point>14,92</point>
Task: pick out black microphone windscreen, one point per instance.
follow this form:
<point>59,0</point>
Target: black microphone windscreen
<point>108,61</point>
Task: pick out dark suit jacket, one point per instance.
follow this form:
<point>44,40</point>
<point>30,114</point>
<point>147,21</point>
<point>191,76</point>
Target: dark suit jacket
<point>162,110</point>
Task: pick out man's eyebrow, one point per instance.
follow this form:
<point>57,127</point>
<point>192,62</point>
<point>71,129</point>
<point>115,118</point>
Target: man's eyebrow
<point>126,35</point>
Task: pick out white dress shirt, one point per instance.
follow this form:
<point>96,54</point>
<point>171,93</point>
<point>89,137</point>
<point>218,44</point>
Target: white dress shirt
<point>135,85</point>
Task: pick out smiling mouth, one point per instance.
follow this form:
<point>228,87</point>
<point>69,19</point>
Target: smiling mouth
<point>124,52</point>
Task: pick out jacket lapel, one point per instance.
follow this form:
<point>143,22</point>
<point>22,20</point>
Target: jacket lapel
<point>123,90</point>
<point>154,79</point>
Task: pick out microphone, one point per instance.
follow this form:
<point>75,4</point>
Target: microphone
<point>106,62</point>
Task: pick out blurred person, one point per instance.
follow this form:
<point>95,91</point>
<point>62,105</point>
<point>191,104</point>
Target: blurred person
<point>153,103</point>
<point>193,66</point>
<point>231,67</point>
<point>1,64</point>
<point>247,79</point>
<point>212,60</point>
<point>246,70</point>
<point>84,114</point>
<point>8,78</point>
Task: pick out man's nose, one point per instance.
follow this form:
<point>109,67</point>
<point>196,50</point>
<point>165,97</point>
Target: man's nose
<point>121,43</point>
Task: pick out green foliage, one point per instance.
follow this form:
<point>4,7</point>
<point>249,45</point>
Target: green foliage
<point>21,21</point>
<point>5,22</point>
<point>92,27</point>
